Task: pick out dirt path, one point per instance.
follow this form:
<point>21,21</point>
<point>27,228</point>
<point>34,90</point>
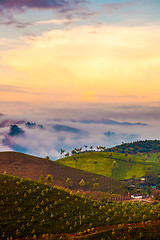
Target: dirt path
<point>102,229</point>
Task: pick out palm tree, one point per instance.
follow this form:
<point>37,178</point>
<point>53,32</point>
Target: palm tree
<point>104,148</point>
<point>62,151</point>
<point>73,152</point>
<point>67,154</point>
<point>100,148</point>
<point>85,148</point>
<point>76,150</point>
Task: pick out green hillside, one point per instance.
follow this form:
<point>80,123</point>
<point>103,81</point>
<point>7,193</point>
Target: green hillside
<point>24,165</point>
<point>150,157</point>
<point>114,165</point>
<point>30,209</point>
<point>146,146</point>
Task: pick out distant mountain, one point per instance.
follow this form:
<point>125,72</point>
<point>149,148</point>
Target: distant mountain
<point>111,122</point>
<point>65,128</point>
<point>24,165</point>
<point>8,122</point>
<point>33,125</point>
<point>15,130</point>
<point>146,146</point>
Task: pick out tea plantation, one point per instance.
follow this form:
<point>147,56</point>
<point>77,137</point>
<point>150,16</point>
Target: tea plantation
<point>30,209</point>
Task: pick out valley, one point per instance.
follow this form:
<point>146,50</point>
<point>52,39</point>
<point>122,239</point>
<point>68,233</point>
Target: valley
<point>89,195</point>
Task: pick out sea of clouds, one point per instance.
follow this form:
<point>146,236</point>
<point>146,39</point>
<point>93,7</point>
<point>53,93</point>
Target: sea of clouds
<point>43,136</point>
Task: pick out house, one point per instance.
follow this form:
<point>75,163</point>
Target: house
<point>136,196</point>
<point>143,179</point>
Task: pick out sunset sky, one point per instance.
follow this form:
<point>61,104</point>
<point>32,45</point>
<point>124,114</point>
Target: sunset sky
<point>81,60</point>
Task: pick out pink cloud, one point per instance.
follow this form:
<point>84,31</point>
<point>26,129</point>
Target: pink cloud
<point>117,6</point>
<point>40,4</point>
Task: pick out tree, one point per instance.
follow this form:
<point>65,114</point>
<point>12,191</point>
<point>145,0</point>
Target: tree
<point>100,148</point>
<point>114,164</point>
<point>148,155</point>
<point>150,173</point>
<point>73,152</point>
<point>82,183</point>
<point>110,155</point>
<point>144,158</point>
<point>67,154</point>
<point>80,149</point>
<point>95,186</point>
<point>68,182</point>
<point>62,151</point>
<point>91,147</point>
<point>41,179</point>
<point>49,179</point>
<point>104,149</point>
<point>156,195</point>
<point>85,148</point>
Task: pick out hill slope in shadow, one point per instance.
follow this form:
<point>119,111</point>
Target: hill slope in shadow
<point>27,166</point>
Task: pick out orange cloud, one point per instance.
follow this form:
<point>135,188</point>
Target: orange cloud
<point>88,97</point>
<point>106,60</point>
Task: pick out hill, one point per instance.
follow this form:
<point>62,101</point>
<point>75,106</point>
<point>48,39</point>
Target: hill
<point>146,146</point>
<point>27,166</point>
<point>150,157</point>
<point>32,210</point>
<point>113,165</point>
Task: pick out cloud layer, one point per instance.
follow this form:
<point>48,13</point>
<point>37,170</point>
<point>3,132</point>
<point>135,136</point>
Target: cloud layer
<point>45,137</point>
<point>40,4</point>
<point>116,6</point>
<point>66,8</point>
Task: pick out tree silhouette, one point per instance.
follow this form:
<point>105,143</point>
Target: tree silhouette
<point>85,148</point>
<point>62,151</point>
<point>100,148</point>
<point>97,148</point>
<point>104,148</point>
<point>80,149</point>
<point>73,152</point>
<point>67,154</point>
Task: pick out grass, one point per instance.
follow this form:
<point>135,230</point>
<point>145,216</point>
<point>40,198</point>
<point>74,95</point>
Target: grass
<point>114,165</point>
<point>150,157</point>
<point>24,165</point>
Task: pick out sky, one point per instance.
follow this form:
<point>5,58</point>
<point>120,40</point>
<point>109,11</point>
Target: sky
<point>82,64</point>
